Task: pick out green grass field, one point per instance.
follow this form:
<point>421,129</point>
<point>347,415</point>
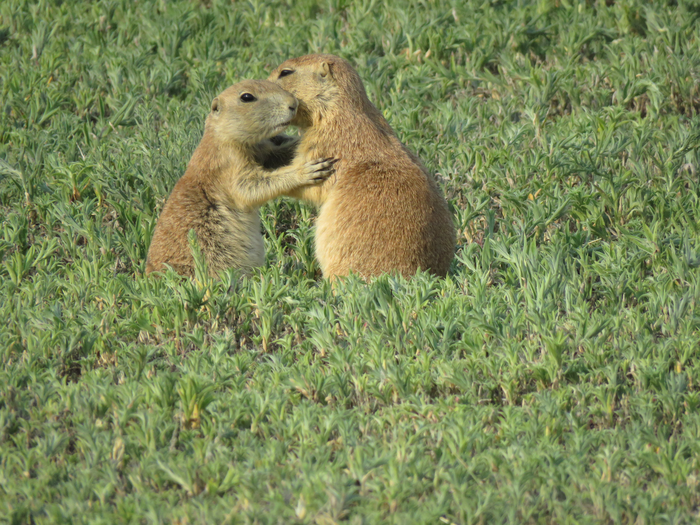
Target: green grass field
<point>553,377</point>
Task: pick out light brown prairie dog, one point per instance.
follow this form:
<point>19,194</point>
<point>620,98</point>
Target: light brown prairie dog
<point>381,211</point>
<point>229,177</point>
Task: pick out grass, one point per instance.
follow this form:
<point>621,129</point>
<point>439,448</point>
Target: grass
<point>553,377</point>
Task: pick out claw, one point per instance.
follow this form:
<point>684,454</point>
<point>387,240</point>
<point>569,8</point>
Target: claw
<point>319,170</point>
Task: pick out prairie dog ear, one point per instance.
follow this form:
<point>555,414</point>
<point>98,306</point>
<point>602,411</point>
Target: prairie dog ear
<point>324,69</point>
<point>215,105</point>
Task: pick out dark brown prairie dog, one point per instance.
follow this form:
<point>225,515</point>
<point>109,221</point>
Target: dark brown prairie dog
<point>231,174</point>
<point>381,211</point>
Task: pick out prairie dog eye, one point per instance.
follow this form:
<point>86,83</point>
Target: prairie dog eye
<point>247,97</point>
<point>285,72</point>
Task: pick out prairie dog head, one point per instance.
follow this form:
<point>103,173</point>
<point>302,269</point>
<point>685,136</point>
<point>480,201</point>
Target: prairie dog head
<point>320,83</point>
<point>251,111</point>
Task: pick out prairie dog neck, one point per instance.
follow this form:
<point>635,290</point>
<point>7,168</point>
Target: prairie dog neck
<point>343,131</point>
<point>220,165</point>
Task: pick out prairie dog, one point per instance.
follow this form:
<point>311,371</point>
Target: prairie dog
<point>229,176</point>
<point>381,211</point>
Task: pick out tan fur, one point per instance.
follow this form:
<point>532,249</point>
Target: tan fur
<point>231,174</point>
<point>381,211</point>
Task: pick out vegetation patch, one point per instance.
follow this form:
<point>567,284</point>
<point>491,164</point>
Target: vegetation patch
<point>552,377</point>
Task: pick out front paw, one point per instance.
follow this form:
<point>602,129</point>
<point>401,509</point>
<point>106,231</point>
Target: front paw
<point>318,170</point>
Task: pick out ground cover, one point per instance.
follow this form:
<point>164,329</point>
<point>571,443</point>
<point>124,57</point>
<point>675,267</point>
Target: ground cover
<point>553,377</point>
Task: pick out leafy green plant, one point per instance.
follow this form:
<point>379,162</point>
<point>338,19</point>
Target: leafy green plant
<point>552,377</point>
